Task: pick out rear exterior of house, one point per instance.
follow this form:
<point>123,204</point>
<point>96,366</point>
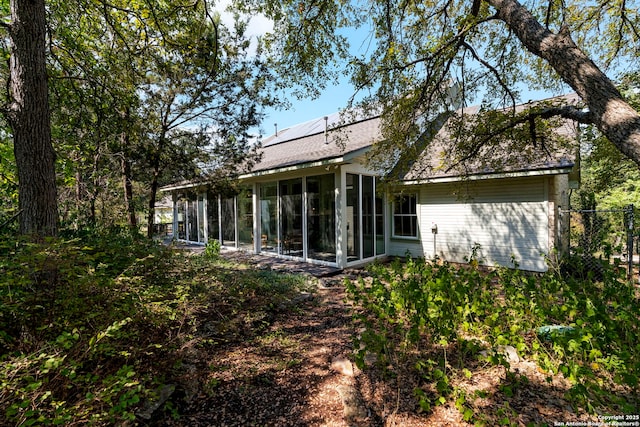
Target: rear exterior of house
<point>508,221</point>
<point>313,199</point>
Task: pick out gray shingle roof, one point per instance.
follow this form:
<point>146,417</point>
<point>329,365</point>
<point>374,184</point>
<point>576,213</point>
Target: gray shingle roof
<point>305,143</point>
<point>438,160</point>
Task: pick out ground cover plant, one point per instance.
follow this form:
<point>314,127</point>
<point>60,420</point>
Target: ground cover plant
<point>93,325</point>
<point>434,325</point>
<point>107,328</point>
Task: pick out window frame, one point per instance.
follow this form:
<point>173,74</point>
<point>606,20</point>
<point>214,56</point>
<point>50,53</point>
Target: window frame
<point>398,201</point>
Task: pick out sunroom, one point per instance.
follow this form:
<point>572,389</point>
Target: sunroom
<point>308,199</point>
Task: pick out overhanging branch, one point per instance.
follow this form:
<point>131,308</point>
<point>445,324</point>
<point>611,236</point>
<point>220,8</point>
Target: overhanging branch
<point>567,112</point>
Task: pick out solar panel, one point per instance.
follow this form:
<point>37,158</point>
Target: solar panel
<point>311,127</point>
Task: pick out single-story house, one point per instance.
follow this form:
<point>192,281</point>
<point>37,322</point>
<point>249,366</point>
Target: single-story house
<point>316,201</point>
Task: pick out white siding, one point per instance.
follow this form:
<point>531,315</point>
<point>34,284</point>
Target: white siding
<point>400,247</point>
<point>508,218</point>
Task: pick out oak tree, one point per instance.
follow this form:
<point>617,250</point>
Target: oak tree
<point>29,117</point>
<point>416,51</point>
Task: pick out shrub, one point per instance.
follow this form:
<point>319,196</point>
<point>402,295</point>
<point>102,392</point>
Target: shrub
<point>92,324</point>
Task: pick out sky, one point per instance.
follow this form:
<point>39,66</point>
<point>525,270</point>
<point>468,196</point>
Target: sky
<point>333,99</point>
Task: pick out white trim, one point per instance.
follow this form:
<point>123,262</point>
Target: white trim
<point>498,175</point>
<point>338,160</point>
<point>410,238</point>
<point>219,209</point>
<point>205,212</point>
<point>256,213</point>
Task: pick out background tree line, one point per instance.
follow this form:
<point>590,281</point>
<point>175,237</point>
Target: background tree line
<point>107,100</point>
<point>137,93</point>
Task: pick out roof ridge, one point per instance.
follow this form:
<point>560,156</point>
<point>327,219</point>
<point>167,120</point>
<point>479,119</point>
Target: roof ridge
<point>307,135</point>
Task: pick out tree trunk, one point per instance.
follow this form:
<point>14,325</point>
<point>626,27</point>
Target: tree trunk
<point>128,192</point>
<point>156,168</point>
<point>125,164</point>
<point>30,119</point>
<point>95,188</point>
<point>611,114</point>
<point>153,193</point>
<point>125,168</point>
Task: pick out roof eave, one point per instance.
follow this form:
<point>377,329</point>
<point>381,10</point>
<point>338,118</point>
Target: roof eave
<point>345,158</point>
<point>293,168</point>
<point>182,186</point>
<point>491,175</point>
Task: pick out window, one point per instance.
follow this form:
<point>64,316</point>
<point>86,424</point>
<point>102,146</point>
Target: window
<point>321,217</point>
<point>405,216</point>
<point>269,217</point>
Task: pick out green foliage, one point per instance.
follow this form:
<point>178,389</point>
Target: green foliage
<point>417,60</point>
<point>146,94</point>
<point>212,250</point>
<point>606,173</point>
<point>91,324</point>
<point>421,314</point>
<point>8,184</point>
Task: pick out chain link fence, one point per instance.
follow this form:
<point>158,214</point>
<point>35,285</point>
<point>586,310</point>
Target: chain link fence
<point>603,236</point>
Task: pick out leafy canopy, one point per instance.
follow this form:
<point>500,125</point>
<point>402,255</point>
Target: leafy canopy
<point>489,50</point>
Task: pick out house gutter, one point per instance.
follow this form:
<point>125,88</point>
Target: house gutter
<point>292,168</point>
<point>182,186</point>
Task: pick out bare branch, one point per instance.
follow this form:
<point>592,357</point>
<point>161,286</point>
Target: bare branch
<point>547,18</point>
<point>475,7</point>
<point>492,69</point>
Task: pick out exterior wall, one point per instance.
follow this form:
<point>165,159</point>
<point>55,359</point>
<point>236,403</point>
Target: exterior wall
<point>507,219</point>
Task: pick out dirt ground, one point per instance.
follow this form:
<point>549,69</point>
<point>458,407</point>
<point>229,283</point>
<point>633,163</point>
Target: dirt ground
<point>299,372</point>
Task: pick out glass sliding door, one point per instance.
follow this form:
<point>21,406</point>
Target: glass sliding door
<point>213,217</point>
<point>228,221</point>
<point>379,205</point>
<point>192,219</point>
<point>364,217</point>
<point>201,219</point>
<point>291,217</point>
<point>269,217</point>
<point>353,217</point>
<point>321,214</point>
<point>368,217</point>
<point>245,219</point>
<point>181,205</point>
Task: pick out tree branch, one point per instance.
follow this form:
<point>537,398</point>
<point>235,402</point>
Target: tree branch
<point>491,69</point>
<point>475,7</point>
<point>611,114</point>
<point>566,112</point>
